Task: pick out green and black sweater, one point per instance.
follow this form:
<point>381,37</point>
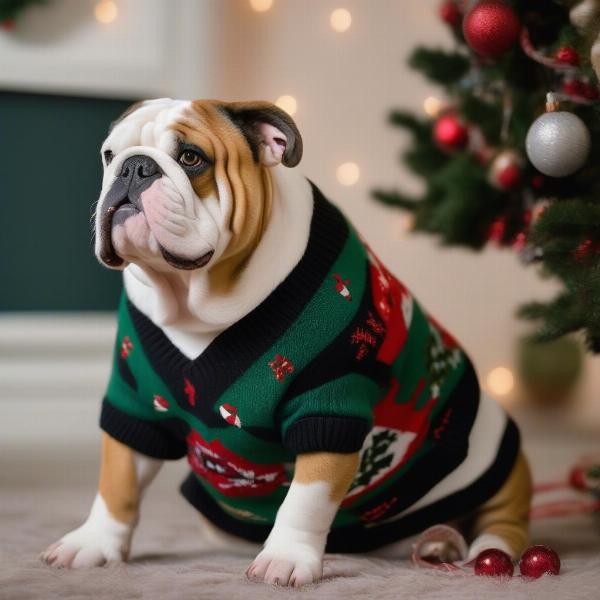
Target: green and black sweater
<point>338,358</point>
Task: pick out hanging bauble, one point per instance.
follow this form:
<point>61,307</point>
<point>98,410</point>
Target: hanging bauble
<point>587,249</point>
<point>7,24</point>
<point>450,13</point>
<point>497,231</point>
<point>506,170</point>
<point>589,91</point>
<point>567,55</point>
<point>493,563</point>
<point>558,142</point>
<point>450,133</point>
<point>491,28</point>
<point>539,560</point>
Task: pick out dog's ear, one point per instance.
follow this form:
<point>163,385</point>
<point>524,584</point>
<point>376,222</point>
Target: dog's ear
<point>270,131</point>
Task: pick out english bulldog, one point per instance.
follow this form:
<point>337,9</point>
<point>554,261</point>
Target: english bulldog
<point>320,407</point>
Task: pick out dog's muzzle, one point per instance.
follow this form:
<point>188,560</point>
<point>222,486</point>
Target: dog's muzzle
<point>122,201</point>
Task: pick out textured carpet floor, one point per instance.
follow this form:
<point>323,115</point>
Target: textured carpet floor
<point>44,493</point>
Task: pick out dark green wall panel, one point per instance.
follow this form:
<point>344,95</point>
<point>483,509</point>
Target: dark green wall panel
<point>50,176</point>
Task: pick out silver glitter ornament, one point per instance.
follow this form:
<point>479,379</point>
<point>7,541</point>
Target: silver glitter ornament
<point>558,143</point>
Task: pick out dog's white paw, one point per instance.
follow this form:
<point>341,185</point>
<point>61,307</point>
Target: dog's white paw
<point>295,567</point>
<point>85,547</point>
<point>99,540</point>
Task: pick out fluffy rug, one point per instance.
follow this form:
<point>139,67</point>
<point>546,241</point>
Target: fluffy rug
<point>44,494</point>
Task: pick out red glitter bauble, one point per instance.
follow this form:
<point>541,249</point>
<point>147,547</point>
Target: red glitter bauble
<point>589,91</point>
<point>493,563</point>
<point>539,560</point>
<point>449,13</point>
<point>491,28</point>
<point>573,87</point>
<point>506,170</point>
<point>567,55</point>
<point>8,24</point>
<point>450,133</point>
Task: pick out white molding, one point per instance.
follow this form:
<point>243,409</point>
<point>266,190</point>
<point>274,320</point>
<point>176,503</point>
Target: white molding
<point>154,48</point>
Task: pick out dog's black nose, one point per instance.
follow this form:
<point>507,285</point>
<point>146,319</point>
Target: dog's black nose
<point>137,173</point>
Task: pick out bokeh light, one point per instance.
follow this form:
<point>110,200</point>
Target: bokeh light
<point>348,173</point>
<point>340,20</point>
<point>106,11</point>
<point>287,103</point>
<point>500,381</point>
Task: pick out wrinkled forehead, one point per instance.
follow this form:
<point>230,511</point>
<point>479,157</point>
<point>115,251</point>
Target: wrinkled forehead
<point>152,123</point>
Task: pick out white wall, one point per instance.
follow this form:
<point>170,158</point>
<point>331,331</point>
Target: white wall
<point>345,84</point>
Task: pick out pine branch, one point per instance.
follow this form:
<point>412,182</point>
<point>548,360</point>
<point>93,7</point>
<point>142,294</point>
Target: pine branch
<point>395,198</point>
<point>439,66</point>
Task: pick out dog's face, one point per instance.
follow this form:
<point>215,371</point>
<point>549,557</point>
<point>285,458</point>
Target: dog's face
<point>185,184</point>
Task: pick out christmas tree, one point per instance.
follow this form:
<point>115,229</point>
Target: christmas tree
<point>512,156</point>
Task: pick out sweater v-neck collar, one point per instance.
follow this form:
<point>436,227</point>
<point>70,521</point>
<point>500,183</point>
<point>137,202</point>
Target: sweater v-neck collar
<point>235,349</point>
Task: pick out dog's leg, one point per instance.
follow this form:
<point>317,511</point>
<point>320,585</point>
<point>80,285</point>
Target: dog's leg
<point>106,534</point>
<point>293,552</point>
<point>503,521</point>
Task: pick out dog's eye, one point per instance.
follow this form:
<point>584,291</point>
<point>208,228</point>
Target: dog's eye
<point>108,156</point>
<point>190,158</point>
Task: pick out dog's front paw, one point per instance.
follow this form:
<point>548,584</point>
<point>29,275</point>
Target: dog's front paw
<point>289,558</point>
<point>296,567</point>
<point>86,547</point>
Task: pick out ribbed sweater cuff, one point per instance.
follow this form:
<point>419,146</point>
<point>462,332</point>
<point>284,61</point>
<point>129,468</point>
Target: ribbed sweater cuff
<point>326,434</point>
<point>143,436</point>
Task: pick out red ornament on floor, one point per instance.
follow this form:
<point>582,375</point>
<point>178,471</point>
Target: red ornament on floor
<point>491,28</point>
<point>539,560</point>
<point>493,563</point>
<point>450,133</point>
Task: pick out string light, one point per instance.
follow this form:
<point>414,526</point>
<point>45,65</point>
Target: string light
<point>261,5</point>
<point>348,173</point>
<point>287,103</point>
<point>106,11</point>
<point>340,20</point>
<point>432,106</point>
<point>500,381</point>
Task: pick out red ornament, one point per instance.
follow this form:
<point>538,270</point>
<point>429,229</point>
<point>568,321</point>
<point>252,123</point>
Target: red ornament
<point>537,181</point>
<point>506,170</point>
<point>567,55</point>
<point>8,24</point>
<point>449,13</point>
<point>573,87</point>
<point>586,249</point>
<point>589,91</point>
<point>493,563</point>
<point>510,177</point>
<point>491,28</point>
<point>539,560</point>
<point>497,230</point>
<point>450,133</point>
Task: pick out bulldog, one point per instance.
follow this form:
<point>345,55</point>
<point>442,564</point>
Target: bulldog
<point>320,407</point>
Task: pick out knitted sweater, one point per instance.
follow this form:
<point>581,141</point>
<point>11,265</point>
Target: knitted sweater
<point>340,358</point>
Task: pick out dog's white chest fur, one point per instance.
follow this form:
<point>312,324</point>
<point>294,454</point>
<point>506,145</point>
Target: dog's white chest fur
<point>279,250</point>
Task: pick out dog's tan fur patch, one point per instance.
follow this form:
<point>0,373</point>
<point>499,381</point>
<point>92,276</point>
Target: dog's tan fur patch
<point>237,172</point>
<point>118,481</point>
<point>507,513</point>
<point>335,468</point>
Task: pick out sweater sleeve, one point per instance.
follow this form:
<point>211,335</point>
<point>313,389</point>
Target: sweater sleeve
<point>333,417</point>
<point>131,414</point>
